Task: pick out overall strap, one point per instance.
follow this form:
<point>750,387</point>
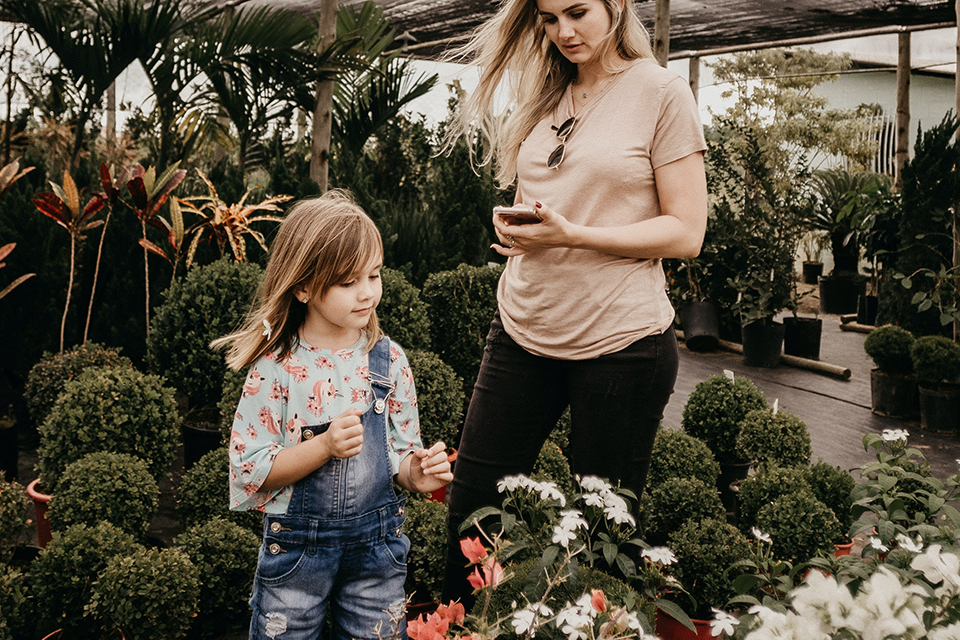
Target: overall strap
<point>379,366</point>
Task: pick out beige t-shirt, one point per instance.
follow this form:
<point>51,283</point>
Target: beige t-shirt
<point>577,304</point>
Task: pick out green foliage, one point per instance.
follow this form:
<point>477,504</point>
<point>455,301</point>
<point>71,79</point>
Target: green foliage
<point>403,315</point>
<point>841,209</point>
<point>833,487</point>
<point>439,398</point>
<point>229,399</point>
<point>704,550</point>
<point>204,493</point>
<point>935,359</point>
<point>800,526</point>
<point>225,556</point>
<point>51,373</point>
<point>552,466</point>
<point>14,506</point>
<point>889,346</point>
<point>679,455</point>
<point>780,438</point>
<point>109,409</point>
<point>209,303</point>
<point>677,500</point>
<point>767,484</point>
<point>105,487</point>
<point>16,607</point>
<point>714,410</point>
<point>426,526</point>
<point>149,594</point>
<point>64,573</point>
<point>462,303</point>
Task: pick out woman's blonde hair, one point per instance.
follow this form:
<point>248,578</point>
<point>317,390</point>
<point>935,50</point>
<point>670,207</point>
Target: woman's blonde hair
<point>514,45</point>
<point>321,243</point>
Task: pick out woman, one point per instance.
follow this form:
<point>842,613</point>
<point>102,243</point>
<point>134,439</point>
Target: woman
<point>607,147</point>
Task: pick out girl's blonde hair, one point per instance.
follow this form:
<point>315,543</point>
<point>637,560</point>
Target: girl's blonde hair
<point>321,243</point>
<point>514,45</point>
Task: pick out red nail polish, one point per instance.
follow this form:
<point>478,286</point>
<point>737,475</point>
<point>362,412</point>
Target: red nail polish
<point>538,205</point>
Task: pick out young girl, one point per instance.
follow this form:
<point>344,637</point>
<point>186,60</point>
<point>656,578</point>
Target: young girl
<point>327,421</point>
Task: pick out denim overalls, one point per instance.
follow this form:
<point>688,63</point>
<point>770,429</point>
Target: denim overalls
<point>340,544</point>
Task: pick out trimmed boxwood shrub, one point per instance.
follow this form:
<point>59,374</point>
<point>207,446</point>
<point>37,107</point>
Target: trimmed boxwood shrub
<point>439,398</point>
<point>779,438</point>
<point>225,556</point>
<point>149,594</point>
<point>677,500</point>
<point>833,487</point>
<point>552,466</point>
<point>799,526</point>
<point>403,315</point>
<point>50,374</point>
<point>64,573</point>
<point>889,346</point>
<point>204,493</point>
<point>210,302</point>
<point>462,303</point>
<point>714,410</point>
<point>426,526</point>
<point>109,409</point>
<point>679,455</point>
<point>16,608</point>
<point>229,399</point>
<point>935,359</point>
<point>111,487</point>
<point>14,507</point>
<point>766,485</point>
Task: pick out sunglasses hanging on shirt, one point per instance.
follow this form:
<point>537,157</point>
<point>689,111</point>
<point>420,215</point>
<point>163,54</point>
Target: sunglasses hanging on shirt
<point>563,132</point>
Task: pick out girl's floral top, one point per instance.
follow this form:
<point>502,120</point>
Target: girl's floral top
<point>310,387</point>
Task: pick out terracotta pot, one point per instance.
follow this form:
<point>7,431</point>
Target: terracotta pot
<point>843,549</point>
<point>670,629</point>
<point>40,502</point>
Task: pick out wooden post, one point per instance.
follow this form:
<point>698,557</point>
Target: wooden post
<point>903,104</point>
<point>111,129</point>
<point>956,205</point>
<point>661,32</point>
<point>694,76</point>
<point>323,113</point>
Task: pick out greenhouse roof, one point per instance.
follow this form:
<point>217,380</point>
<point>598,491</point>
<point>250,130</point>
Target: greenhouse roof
<point>702,26</point>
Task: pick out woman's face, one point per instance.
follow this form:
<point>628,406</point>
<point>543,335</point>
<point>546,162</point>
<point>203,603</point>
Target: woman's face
<point>576,27</point>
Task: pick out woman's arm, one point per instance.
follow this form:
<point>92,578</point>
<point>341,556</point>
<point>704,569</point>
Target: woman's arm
<point>676,233</point>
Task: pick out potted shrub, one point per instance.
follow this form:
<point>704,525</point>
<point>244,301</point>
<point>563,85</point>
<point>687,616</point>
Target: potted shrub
<point>699,317</point>
<point>799,526</point>
<point>758,302</point>
<point>426,526</point>
<point>801,334</point>
<point>893,388</point>
<point>936,362</point>
<point>679,455</point>
<point>204,493</point>
<point>64,573</point>
<point>777,437</point>
<point>149,594</point>
<point>812,245</point>
<point>403,315</point>
<point>833,487</point>
<point>14,508</point>
<point>676,501</point>
<point>767,483</point>
<point>106,487</point>
<point>225,556</point>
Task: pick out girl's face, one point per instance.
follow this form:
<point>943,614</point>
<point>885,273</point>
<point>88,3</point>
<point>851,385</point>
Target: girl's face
<point>576,27</point>
<point>336,318</point>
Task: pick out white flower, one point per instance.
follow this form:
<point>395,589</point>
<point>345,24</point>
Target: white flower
<point>722,623</point>
<point>267,329</point>
<point>563,536</point>
<point>573,519</point>
<point>509,483</point>
<point>574,619</point>
<point>895,435</point>
<point>951,632</point>
<point>885,608</point>
<point>549,491</point>
<point>878,545</point>
<point>593,499</point>
<point>822,599</point>
<point>618,515</point>
<point>528,620</point>
<point>939,567</point>
<point>660,555</point>
<point>907,543</point>
<point>593,483</point>
<point>760,535</point>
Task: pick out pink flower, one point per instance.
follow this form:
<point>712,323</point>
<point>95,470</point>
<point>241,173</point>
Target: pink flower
<point>473,550</point>
<point>597,600</point>
<point>454,612</point>
<point>492,574</point>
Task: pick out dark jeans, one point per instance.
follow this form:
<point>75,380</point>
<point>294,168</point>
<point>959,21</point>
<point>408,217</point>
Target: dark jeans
<point>616,403</point>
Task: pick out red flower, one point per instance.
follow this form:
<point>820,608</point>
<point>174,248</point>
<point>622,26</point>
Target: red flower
<point>473,550</point>
<point>433,628</point>
<point>454,612</point>
<point>597,601</point>
<point>475,579</point>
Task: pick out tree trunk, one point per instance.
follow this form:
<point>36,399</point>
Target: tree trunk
<point>323,113</point>
<point>903,105</point>
<point>661,31</point>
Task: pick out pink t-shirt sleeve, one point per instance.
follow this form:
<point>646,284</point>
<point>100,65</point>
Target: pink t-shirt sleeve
<point>678,132</point>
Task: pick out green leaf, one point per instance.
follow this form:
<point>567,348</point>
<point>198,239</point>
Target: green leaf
<point>673,610</point>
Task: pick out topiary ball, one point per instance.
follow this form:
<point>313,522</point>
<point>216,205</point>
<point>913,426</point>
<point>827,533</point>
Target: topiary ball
<point>935,359</point>
<point>204,493</point>
<point>679,455</point>
<point>109,487</point>
<point>49,376</point>
<point>109,409</point>
<point>225,556</point>
<point>14,507</point>
<point>677,500</point>
<point>210,302</point>
<point>833,487</point>
<point>426,526</point>
<point>889,346</point>
<point>149,594</point>
<point>766,485</point>
<point>552,466</point>
<point>62,576</point>
<point>439,398</point>
<point>799,526</point>
<point>779,438</point>
<point>403,315</point>
<point>715,409</point>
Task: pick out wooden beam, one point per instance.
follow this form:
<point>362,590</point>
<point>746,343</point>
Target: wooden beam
<point>323,113</point>
<point>111,128</point>
<point>956,206</point>
<point>661,32</point>
<point>903,104</point>
<point>694,76</point>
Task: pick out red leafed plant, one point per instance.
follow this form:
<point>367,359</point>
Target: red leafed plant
<point>9,174</point>
<point>63,205</point>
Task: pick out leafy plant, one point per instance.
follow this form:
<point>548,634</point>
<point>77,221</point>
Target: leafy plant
<point>833,487</point>
<point>225,556</point>
<point>677,500</point>
<point>403,315</point>
<point>14,507</point>
<point>439,398</point>
<point>936,359</point>
<point>774,436</point>
<point>889,346</point>
<point>799,525</point>
<point>714,410</point>
<point>233,382</point>
<point>552,466</point>
<point>6,250</point>
<point>767,484</point>
<point>840,212</point>
<point>105,487</point>
<point>679,455</point>
<point>426,527</point>
<point>17,614</point>
<point>204,493</point>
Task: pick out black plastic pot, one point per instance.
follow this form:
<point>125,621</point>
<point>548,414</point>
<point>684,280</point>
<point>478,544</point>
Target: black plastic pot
<point>701,326</point>
<point>197,442</point>
<point>893,395</point>
<point>762,343</point>
<point>867,307</point>
<point>801,337</point>
<point>839,293</point>
<point>811,272</point>
<point>940,409</point>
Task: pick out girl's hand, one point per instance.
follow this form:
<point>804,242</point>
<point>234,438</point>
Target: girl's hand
<point>517,239</point>
<point>429,469</point>
<point>344,436</point>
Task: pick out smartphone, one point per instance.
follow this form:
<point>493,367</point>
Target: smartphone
<point>518,214</point>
